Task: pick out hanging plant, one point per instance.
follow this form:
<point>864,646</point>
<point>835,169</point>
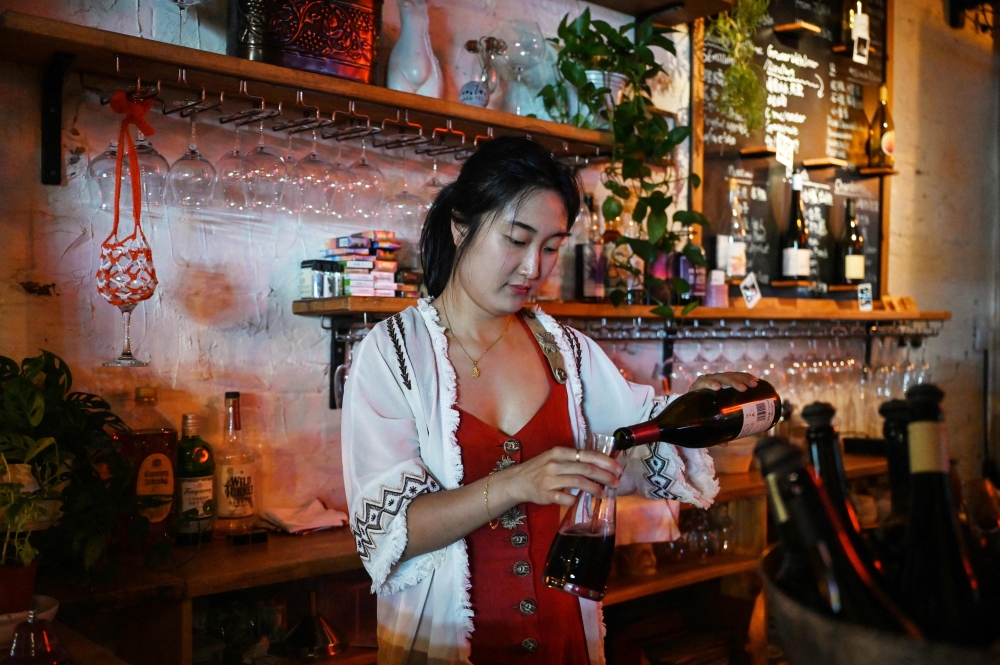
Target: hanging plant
<point>742,94</point>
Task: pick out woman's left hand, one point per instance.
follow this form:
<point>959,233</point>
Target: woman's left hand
<point>738,380</point>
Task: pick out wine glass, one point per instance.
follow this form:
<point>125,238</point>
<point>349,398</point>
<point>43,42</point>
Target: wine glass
<point>126,277</point>
<point>338,194</point>
<point>312,175</point>
<point>230,178</point>
<point>154,169</point>
<point>434,185</point>
<point>182,6</point>
<point>192,176</point>
<point>264,171</point>
<point>525,49</point>
<point>101,175</point>
<point>366,186</point>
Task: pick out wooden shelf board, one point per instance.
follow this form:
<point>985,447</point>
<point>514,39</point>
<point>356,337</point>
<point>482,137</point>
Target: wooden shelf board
<point>667,12</point>
<point>874,171</point>
<point>676,575</point>
<point>793,283</point>
<point>33,40</point>
<point>81,650</point>
<point>783,309</point>
<point>841,48</point>
<point>825,162</point>
<point>133,583</point>
<point>835,288</point>
<point>735,486</point>
<point>758,151</point>
<point>798,26</point>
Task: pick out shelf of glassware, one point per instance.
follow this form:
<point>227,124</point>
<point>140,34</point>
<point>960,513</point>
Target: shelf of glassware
<point>34,40</point>
<point>769,309</point>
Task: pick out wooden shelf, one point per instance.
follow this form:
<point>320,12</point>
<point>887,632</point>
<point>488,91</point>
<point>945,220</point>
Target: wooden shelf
<point>783,309</point>
<point>668,13</point>
<point>841,48</point>
<point>758,151</point>
<point>877,171</point>
<point>825,163</point>
<point>793,284</point>
<point>797,28</point>
<point>842,288</point>
<point>735,486</point>
<point>81,650</point>
<point>676,575</point>
<point>33,40</point>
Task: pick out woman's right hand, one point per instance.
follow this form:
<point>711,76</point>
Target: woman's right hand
<point>549,477</point>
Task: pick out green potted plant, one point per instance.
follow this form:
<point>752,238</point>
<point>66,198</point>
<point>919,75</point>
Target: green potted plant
<point>640,175</point>
<point>742,95</point>
<point>65,439</point>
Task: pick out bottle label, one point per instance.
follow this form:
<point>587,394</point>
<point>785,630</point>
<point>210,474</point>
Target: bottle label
<point>804,261</point>
<point>196,494</point>
<point>757,417</point>
<point>889,142</point>
<point>854,266</point>
<point>928,448</point>
<point>722,252</point>
<point>790,262</point>
<point>155,487</point>
<point>737,262</point>
<point>236,487</point>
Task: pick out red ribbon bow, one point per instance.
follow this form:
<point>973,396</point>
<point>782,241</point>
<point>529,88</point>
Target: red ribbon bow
<point>135,114</point>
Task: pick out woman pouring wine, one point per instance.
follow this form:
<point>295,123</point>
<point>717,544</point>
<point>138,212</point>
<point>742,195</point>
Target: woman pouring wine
<point>463,427</point>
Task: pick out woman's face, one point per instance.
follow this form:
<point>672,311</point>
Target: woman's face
<point>513,253</point>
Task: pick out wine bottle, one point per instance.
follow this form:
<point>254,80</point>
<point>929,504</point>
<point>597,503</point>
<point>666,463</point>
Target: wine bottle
<point>882,134</point>
<point>703,418</point>
<point>852,247</point>
<point>796,257</point>
<point>828,467</point>
<point>236,475</point>
<point>696,276</point>
<point>937,584</point>
<point>195,485</point>
<point>821,566</point>
<point>891,533</point>
<point>590,258</point>
<point>731,243</point>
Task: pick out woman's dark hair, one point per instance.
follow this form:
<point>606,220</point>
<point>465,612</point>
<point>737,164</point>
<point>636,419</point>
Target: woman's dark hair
<point>503,171</point>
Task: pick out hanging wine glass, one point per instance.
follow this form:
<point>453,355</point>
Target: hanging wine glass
<point>230,178</point>
<point>264,171</point>
<point>525,49</point>
<point>101,175</point>
<point>192,176</point>
<point>154,168</point>
<point>406,212</point>
<point>182,6</point>
<point>312,175</point>
<point>434,185</point>
<point>366,186</point>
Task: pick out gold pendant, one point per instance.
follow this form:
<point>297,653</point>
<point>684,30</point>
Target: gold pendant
<point>475,370</point>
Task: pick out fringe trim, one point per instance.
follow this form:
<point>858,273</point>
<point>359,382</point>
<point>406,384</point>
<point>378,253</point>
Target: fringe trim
<point>447,398</point>
<point>572,373</point>
<point>702,472</point>
<point>684,490</point>
<point>384,582</point>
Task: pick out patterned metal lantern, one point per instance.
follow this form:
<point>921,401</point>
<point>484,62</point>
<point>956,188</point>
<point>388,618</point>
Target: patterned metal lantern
<point>338,37</point>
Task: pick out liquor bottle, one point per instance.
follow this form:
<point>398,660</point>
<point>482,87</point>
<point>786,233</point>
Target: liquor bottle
<point>151,444</point>
<point>703,418</point>
<point>236,475</point>
<point>852,248</point>
<point>696,276</point>
<point>590,258</point>
<point>891,533</point>
<point>937,584</point>
<point>195,485</point>
<point>796,257</point>
<point>828,467</point>
<point>812,533</point>
<point>882,134</point>
<point>731,243</point>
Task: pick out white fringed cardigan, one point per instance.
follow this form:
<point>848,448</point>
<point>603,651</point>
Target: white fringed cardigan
<point>398,437</point>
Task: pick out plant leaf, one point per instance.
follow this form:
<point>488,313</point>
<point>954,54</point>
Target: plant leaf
<point>694,254</point>
<point>617,297</point>
<point>691,217</point>
<point>666,311</point>
<point>688,308</point>
<point>611,208</point>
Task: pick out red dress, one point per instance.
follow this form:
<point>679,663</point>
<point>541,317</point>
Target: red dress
<point>517,618</point>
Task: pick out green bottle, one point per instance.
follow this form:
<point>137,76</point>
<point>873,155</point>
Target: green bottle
<point>195,485</point>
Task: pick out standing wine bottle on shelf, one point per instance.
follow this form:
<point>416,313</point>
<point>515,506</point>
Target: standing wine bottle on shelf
<point>695,275</point>
<point>882,134</point>
<point>852,247</point>
<point>822,568</point>
<point>796,257</point>
<point>937,584</point>
<point>828,467</point>
<point>731,243</point>
<point>891,533</point>
<point>704,418</point>
<point>236,478</point>
<point>590,258</point>
<point>195,485</point>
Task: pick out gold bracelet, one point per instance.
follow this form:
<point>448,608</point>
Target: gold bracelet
<point>486,499</point>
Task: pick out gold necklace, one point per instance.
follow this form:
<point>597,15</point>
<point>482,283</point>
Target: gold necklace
<point>475,361</point>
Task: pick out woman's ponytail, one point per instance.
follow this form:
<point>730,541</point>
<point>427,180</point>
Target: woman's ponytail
<point>437,244</point>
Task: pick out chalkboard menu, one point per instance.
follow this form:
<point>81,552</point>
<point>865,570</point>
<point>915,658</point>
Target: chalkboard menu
<point>817,96</point>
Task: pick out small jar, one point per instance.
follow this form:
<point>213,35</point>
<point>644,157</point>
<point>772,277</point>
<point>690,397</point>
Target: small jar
<point>717,291</point>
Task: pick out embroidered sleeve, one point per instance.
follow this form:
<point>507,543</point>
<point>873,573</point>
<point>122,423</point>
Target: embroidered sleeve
<point>383,470</point>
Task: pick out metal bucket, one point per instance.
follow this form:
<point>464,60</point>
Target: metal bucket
<point>809,638</point>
